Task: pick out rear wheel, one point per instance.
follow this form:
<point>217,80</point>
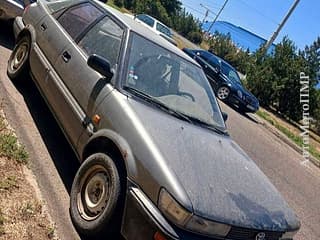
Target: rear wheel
<point>18,64</point>
<point>96,201</point>
<point>223,93</point>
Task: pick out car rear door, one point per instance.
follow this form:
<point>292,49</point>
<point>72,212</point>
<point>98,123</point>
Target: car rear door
<point>86,86</point>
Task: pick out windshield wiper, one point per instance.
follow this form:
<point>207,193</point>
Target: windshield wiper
<point>157,103</point>
<point>207,125</point>
<point>180,115</point>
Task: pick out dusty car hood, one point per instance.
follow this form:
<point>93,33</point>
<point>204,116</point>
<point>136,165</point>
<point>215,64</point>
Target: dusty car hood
<point>222,182</point>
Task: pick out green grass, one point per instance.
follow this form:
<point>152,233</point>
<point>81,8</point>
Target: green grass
<point>9,146</point>
<point>294,137</point>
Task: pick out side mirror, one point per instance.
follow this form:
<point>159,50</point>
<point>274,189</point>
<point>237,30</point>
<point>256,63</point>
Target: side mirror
<point>101,65</point>
<point>224,116</point>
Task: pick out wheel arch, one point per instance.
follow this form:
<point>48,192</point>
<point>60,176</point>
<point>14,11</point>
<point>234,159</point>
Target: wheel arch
<point>29,31</point>
<point>111,143</point>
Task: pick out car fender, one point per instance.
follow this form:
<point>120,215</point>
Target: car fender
<point>27,30</point>
<point>121,144</point>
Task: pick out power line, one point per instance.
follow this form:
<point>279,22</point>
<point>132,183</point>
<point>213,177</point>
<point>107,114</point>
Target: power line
<point>259,12</point>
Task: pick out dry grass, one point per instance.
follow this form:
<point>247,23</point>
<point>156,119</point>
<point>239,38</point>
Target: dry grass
<point>21,212</point>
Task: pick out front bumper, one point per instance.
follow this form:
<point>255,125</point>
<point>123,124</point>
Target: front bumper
<point>242,104</point>
<point>142,220</point>
<point>18,25</point>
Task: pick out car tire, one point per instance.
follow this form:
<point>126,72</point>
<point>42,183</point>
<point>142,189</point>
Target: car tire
<point>18,63</point>
<point>96,202</point>
<point>223,93</point>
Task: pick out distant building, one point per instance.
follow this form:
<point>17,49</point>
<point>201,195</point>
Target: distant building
<point>243,38</point>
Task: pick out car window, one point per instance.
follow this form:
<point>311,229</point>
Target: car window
<point>146,19</point>
<point>230,72</point>
<point>76,19</point>
<point>205,55</point>
<point>172,80</point>
<point>103,39</point>
<point>213,61</point>
<point>163,29</point>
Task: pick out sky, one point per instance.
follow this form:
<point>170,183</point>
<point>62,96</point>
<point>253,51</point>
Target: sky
<point>263,17</point>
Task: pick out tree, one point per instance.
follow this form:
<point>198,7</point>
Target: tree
<point>222,46</point>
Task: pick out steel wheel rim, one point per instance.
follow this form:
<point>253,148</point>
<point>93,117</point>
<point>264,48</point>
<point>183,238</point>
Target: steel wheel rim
<point>94,193</point>
<point>20,54</point>
<point>223,93</point>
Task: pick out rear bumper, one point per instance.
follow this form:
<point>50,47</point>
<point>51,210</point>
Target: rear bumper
<point>18,25</point>
<point>142,220</point>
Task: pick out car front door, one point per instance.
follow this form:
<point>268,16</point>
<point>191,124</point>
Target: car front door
<point>86,86</point>
<point>56,33</point>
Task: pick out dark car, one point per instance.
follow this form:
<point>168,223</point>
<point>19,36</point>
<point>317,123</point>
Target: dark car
<point>156,159</point>
<point>225,80</point>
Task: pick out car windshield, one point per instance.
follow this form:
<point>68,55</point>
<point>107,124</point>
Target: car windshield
<point>146,19</point>
<point>173,81</point>
<point>230,72</point>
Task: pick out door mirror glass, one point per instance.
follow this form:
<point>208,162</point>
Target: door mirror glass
<point>101,65</point>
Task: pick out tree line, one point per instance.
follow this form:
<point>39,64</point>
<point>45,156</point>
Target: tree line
<point>169,12</point>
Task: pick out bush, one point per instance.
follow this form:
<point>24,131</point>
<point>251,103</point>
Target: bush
<point>195,37</point>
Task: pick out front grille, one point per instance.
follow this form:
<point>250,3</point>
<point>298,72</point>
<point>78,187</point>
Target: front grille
<point>250,100</point>
<point>237,233</point>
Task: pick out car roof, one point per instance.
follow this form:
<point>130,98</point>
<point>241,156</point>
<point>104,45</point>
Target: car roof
<point>219,58</point>
<point>131,25</point>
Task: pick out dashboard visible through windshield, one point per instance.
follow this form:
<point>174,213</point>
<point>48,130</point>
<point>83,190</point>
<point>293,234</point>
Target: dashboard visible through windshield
<point>170,79</point>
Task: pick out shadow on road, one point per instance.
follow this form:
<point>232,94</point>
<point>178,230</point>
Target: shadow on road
<point>246,115</point>
<point>6,35</point>
<point>58,147</point>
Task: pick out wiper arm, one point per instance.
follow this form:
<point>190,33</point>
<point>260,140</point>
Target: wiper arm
<point>207,125</point>
<point>158,103</point>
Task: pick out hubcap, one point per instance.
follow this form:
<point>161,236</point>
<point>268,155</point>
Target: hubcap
<point>19,56</point>
<point>223,93</point>
<point>94,193</point>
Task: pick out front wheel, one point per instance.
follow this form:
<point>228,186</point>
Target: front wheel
<point>18,64</point>
<point>223,93</point>
<point>95,196</point>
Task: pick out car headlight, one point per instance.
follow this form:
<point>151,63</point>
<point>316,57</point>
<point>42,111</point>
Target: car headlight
<point>173,210</point>
<point>239,94</point>
<point>288,235</point>
<point>181,217</point>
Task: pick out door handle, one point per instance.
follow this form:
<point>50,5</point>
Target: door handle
<point>43,27</point>
<point>66,56</point>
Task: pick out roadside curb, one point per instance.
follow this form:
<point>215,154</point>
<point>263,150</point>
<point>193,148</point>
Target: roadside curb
<point>284,138</point>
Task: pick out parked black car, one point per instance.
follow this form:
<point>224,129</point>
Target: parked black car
<point>225,80</point>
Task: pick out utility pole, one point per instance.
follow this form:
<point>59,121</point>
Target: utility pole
<point>275,34</point>
<point>220,11</point>
<point>207,12</point>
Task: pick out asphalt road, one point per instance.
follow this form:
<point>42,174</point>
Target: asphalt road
<point>54,163</point>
